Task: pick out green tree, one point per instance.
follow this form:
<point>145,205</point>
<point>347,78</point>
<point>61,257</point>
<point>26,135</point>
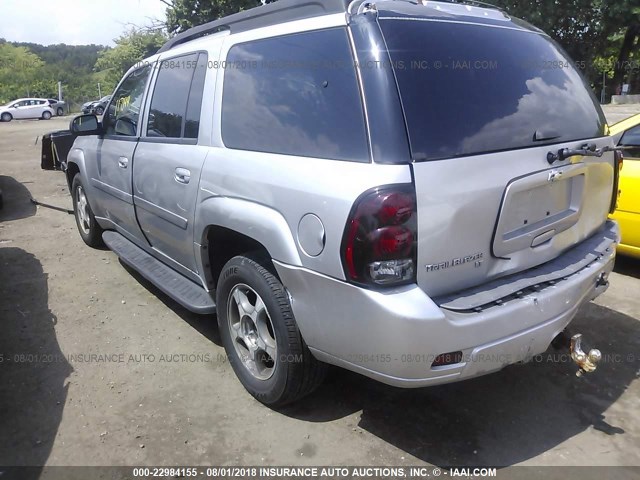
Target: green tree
<point>623,32</point>
<point>576,24</point>
<point>184,14</point>
<point>601,35</point>
<point>132,47</point>
<point>20,69</point>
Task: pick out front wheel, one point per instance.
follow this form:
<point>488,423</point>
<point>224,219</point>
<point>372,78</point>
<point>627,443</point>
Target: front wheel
<point>46,115</point>
<point>60,111</point>
<point>6,117</point>
<point>89,229</point>
<point>99,111</point>
<point>260,334</point>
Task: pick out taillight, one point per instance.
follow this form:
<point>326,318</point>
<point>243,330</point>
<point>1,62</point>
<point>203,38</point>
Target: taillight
<point>379,243</point>
<point>617,167</point>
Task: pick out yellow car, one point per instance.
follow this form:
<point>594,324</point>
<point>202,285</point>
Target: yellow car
<point>627,133</point>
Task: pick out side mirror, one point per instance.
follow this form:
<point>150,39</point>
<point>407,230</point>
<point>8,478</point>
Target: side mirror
<point>85,125</point>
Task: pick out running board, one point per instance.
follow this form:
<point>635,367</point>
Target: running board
<point>187,293</point>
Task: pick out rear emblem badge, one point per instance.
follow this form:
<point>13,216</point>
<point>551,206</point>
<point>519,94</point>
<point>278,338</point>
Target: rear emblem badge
<point>555,175</point>
<point>454,262</point>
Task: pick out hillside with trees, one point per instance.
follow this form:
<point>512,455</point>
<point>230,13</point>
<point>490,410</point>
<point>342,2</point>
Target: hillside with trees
<point>28,69</point>
<point>32,70</point>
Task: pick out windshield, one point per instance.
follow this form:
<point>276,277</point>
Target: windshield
<point>469,89</point>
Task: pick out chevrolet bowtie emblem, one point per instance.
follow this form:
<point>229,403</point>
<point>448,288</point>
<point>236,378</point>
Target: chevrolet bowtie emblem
<point>555,175</point>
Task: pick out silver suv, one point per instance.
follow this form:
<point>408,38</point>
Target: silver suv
<point>415,192</point>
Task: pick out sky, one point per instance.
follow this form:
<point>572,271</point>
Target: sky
<point>74,22</point>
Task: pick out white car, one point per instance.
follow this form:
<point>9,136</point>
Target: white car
<point>26,108</point>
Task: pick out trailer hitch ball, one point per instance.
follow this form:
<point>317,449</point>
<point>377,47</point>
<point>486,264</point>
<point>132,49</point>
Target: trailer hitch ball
<point>585,361</point>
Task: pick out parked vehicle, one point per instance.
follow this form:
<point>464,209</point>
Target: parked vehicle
<point>97,106</point>
<point>627,133</point>
<point>86,107</point>
<point>58,106</point>
<point>26,108</point>
<point>416,222</point>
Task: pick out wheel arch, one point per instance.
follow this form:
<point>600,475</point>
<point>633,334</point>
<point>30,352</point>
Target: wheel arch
<point>75,165</point>
<point>231,227</point>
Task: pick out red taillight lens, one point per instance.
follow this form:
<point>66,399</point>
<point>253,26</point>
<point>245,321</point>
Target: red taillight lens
<point>391,242</point>
<point>378,247</point>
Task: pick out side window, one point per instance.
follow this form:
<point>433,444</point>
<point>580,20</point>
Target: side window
<point>122,115</point>
<point>294,95</point>
<point>194,106</point>
<point>177,98</point>
<point>631,138</point>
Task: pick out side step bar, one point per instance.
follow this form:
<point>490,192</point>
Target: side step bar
<point>187,293</point>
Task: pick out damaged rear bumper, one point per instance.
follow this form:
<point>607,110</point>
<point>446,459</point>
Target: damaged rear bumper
<point>394,336</point>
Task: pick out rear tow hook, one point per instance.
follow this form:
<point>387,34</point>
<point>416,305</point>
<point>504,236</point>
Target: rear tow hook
<point>585,361</point>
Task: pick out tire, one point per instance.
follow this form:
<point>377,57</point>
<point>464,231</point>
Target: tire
<point>99,111</point>
<point>267,332</point>
<point>6,117</point>
<point>89,229</point>
<point>60,111</point>
<point>46,115</point>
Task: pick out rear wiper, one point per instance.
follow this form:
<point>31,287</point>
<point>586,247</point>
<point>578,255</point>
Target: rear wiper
<point>586,150</point>
<point>542,136</point>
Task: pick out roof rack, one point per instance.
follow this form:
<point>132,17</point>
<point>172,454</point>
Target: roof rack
<point>473,2</point>
<point>263,16</point>
<point>284,11</point>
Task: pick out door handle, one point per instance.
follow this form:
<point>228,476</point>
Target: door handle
<point>123,162</point>
<point>182,175</point>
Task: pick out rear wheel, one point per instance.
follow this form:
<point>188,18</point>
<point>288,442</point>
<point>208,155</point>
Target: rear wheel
<point>46,115</point>
<point>6,117</point>
<point>260,334</point>
<point>89,229</point>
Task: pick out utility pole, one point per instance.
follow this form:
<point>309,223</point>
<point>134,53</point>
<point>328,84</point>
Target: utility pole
<point>99,91</point>
<point>59,91</point>
<point>604,80</point>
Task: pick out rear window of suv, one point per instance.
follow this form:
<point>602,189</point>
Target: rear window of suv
<point>468,89</point>
<point>295,95</point>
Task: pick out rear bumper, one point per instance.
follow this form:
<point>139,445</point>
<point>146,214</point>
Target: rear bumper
<point>394,336</point>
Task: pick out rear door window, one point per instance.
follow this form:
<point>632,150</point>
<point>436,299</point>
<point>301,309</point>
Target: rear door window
<point>177,98</point>
<point>294,95</point>
<point>470,89</point>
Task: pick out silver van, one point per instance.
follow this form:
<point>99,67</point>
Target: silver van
<point>415,191</point>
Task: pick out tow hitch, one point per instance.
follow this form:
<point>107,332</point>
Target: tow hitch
<point>585,361</point>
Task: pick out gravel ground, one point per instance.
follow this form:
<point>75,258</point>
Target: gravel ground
<point>165,394</point>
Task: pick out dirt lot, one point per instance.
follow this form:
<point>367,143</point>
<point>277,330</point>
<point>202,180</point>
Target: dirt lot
<point>61,301</point>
